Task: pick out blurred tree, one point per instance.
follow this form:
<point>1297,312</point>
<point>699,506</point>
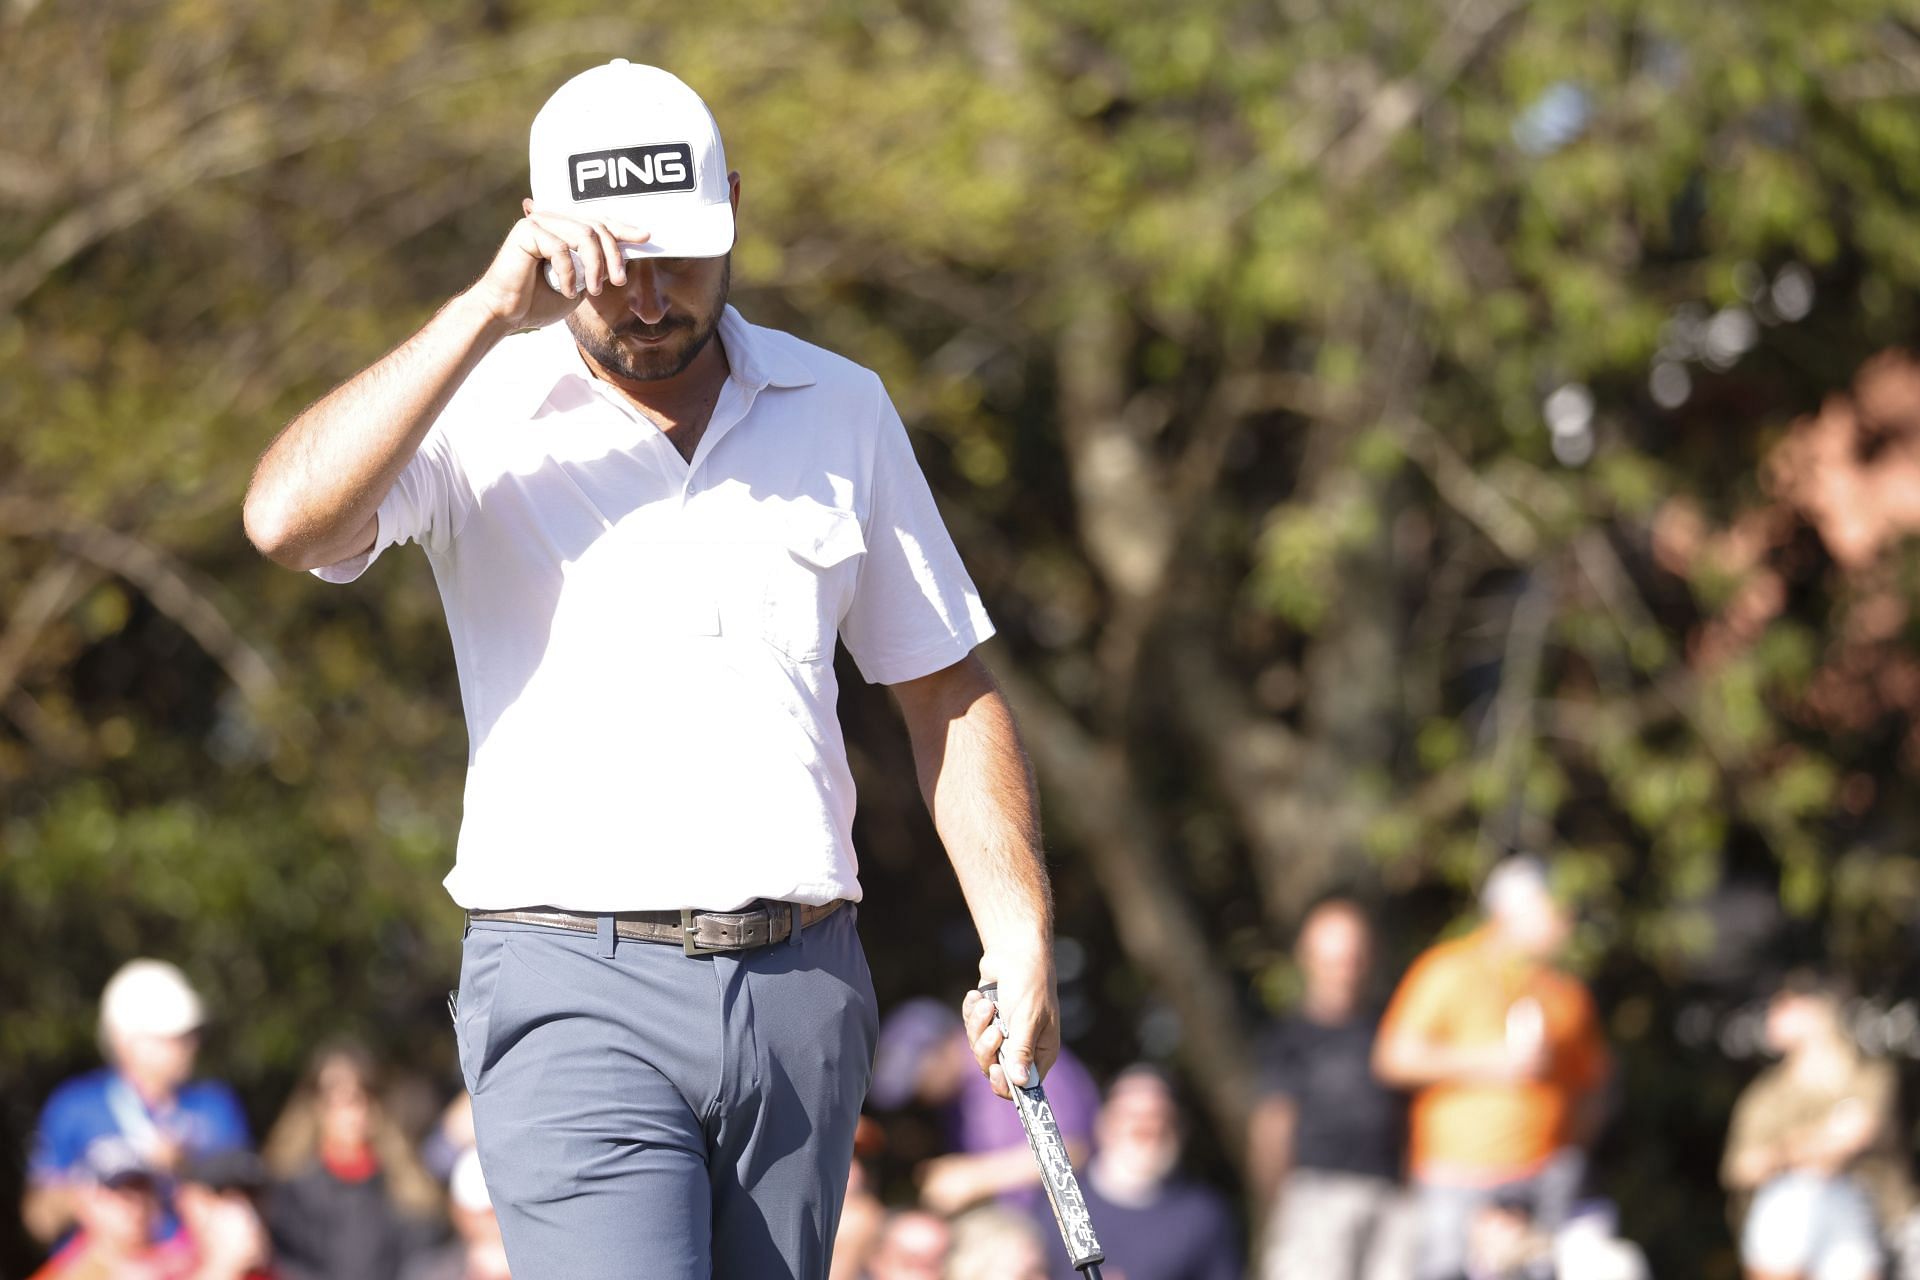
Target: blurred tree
<point>1358,417</point>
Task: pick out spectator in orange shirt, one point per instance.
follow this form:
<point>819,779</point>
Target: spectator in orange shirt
<point>1505,1059</point>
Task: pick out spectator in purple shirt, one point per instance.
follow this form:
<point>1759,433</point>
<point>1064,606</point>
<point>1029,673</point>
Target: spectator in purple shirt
<point>1153,1223</point>
<point>150,1019</point>
<point>923,1058</point>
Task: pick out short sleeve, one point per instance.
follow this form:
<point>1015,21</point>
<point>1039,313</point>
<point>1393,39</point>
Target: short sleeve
<point>1755,1124</point>
<point>427,504</point>
<point>1419,1006</point>
<point>914,608</point>
<point>59,1139</point>
<point>1584,1062</point>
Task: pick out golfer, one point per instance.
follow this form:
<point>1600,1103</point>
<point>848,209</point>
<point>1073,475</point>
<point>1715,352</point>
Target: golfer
<point>649,523</point>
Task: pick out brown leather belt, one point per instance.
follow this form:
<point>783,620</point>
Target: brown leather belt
<point>698,933</point>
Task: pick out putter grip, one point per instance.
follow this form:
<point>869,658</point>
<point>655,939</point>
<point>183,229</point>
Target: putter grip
<point>1050,1151</point>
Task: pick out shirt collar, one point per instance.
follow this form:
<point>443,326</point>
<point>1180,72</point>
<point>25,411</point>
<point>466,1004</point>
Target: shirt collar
<point>757,362</point>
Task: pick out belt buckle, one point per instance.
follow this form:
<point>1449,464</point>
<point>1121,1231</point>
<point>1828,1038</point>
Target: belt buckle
<point>690,936</point>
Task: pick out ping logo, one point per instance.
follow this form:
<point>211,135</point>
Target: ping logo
<point>631,171</point>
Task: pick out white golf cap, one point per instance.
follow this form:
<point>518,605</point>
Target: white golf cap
<point>631,143</point>
<point>150,997</point>
<point>468,1185</point>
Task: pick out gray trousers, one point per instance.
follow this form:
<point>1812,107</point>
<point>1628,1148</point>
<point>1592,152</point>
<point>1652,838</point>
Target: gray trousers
<point>1333,1225</point>
<point>643,1113</point>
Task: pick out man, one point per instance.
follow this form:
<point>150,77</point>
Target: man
<point>1505,1058</point>
<point>1326,1149</point>
<point>924,1057</point>
<point>648,525</point>
<point>1156,1224</point>
<point>145,1095</point>
<point>1814,1156</point>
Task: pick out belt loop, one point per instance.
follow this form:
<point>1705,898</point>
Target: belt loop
<point>605,936</point>
<point>793,934</point>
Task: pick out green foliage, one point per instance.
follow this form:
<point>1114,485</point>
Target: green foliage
<point>1341,282</point>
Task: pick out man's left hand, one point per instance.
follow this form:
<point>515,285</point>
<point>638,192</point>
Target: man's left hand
<point>1030,1009</point>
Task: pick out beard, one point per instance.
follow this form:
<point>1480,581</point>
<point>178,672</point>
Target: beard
<point>686,336</point>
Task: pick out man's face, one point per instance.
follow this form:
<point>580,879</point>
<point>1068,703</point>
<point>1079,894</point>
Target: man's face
<point>1335,953</point>
<point>1795,1020</point>
<point>653,326</point>
<point>1536,926</point>
<point>1139,1126</point>
<point>913,1247</point>
<point>120,1217</point>
<point>164,1062</point>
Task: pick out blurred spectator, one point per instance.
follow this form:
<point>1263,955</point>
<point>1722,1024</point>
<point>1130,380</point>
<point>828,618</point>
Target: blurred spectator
<point>450,1139</point>
<point>1813,1156</point>
<point>1587,1248</point>
<point>1326,1150</point>
<point>923,1057</point>
<point>218,1196</point>
<point>476,1253</point>
<point>114,1195</point>
<point>913,1246</point>
<point>1158,1225</point>
<point>861,1218</point>
<point>993,1243</point>
<point>145,1095</point>
<point>1505,1055</point>
<point>1504,1244</point>
<point>352,1201</point>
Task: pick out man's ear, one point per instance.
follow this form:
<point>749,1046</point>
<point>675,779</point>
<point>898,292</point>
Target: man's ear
<point>733,191</point>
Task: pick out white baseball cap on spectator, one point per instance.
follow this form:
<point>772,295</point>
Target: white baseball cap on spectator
<point>150,997</point>
<point>468,1185</point>
<point>626,142</point>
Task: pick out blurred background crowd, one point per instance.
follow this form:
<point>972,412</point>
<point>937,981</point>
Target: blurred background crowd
<point>1387,436</point>
<point>1444,1136</point>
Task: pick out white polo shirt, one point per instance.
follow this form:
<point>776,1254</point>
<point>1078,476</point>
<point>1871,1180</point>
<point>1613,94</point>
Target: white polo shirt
<point>645,645</point>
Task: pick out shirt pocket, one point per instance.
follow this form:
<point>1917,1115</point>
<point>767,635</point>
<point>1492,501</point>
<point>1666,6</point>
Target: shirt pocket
<point>814,558</point>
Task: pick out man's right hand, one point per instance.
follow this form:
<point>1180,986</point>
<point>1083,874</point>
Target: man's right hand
<point>515,289</point>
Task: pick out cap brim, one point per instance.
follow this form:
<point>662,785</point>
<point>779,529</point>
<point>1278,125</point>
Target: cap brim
<point>690,231</point>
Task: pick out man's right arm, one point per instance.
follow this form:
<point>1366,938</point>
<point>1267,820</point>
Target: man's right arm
<point>1414,1049</point>
<point>317,488</point>
<point>315,492</point>
<point>1411,1061</point>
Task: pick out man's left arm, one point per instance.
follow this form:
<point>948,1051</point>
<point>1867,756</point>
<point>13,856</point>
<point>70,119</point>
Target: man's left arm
<point>978,785</point>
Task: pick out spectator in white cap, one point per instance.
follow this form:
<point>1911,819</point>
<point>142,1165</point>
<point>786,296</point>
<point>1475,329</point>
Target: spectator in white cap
<point>145,1096</point>
<point>477,1253</point>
